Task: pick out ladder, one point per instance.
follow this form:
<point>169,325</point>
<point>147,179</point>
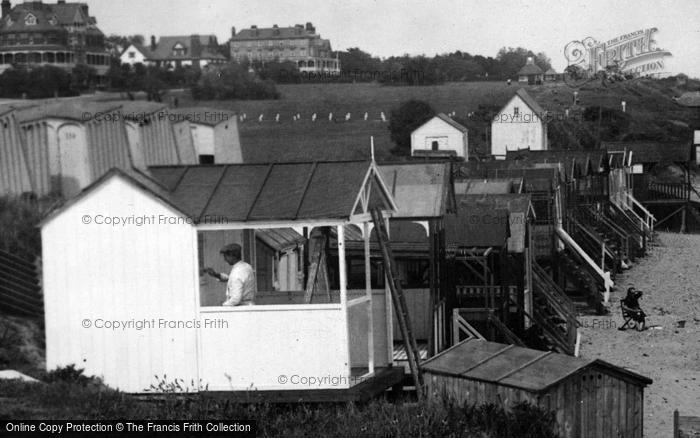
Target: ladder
<point>318,274</point>
<point>399,301</point>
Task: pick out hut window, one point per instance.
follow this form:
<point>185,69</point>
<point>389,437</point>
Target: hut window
<point>516,111</point>
<point>434,145</point>
<point>206,159</point>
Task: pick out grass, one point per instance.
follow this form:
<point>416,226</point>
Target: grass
<point>90,400</point>
<point>648,102</point>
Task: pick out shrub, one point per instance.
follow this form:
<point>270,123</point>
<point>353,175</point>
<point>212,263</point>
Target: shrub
<point>404,120</point>
<point>19,234</point>
<point>232,81</point>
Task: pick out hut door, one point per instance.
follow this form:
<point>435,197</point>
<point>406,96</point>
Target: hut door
<point>74,159</point>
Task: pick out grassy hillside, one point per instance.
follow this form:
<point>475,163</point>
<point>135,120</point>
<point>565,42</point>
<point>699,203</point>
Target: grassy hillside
<point>650,109</point>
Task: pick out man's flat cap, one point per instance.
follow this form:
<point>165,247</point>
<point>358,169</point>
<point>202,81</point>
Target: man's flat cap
<point>231,248</point>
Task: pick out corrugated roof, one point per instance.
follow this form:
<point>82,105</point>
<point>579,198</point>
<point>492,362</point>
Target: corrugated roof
<point>652,151</point>
<point>15,175</point>
<point>516,367</point>
<point>79,110</point>
<point>480,227</point>
<point>420,190</point>
<point>203,115</point>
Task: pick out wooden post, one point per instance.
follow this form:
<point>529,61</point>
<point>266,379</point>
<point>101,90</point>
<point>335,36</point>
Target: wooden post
<point>676,425</point>
<point>368,290</point>
<point>342,267</point>
<point>432,350</point>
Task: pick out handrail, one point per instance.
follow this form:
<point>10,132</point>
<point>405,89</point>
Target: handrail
<point>605,250</point>
<point>605,276</point>
<point>504,330</point>
<point>559,301</point>
<point>648,220</point>
<point>459,323</point>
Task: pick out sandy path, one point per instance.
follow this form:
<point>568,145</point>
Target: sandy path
<point>670,355</point>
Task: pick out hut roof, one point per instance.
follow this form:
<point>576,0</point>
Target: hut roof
<point>76,110</point>
<point>574,163</point>
<point>262,192</point>
<point>518,205</point>
<point>280,239</point>
<point>203,115</point>
<point>447,119</point>
<point>420,190</point>
<point>517,367</point>
<point>480,227</point>
<point>652,151</point>
<point>530,69</point>
<point>496,186</point>
<point>529,100</point>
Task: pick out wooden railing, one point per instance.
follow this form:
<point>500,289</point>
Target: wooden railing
<point>661,191</point>
<point>560,303</point>
<point>460,327</point>
<point>19,286</point>
<point>503,329</point>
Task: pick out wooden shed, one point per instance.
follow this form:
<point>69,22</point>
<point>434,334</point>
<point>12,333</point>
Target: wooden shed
<point>590,397</point>
<point>15,175</point>
<point>129,252</point>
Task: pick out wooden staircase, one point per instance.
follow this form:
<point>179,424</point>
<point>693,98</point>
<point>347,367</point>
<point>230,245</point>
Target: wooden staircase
<point>20,293</point>
<point>554,312</point>
<point>399,301</point>
<point>588,286</point>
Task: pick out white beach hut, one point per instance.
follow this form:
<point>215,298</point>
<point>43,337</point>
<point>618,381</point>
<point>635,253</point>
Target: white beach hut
<point>122,282</point>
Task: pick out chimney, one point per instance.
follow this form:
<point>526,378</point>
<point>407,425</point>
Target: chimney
<point>233,32</point>
<point>61,2</point>
<point>530,60</point>
<point>310,28</point>
<point>6,8</point>
<point>254,27</point>
<point>153,42</point>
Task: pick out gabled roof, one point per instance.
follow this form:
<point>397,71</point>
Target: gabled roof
<point>75,110</point>
<point>196,47</point>
<point>447,119</point>
<point>420,190</point>
<point>481,227</point>
<point>144,49</point>
<point>260,192</point>
<point>530,102</point>
<point>551,71</point>
<point>517,367</point>
<point>652,151</point>
<point>48,17</point>
<point>280,239</point>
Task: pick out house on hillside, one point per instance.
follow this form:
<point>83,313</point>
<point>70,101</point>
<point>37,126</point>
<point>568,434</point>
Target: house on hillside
<point>136,54</point>
<point>531,73</point>
<point>551,75</point>
<point>61,34</point>
<point>440,135</point>
<point>176,51</point>
<point>520,124</point>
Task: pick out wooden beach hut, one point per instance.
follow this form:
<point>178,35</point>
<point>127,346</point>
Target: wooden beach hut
<point>590,397</point>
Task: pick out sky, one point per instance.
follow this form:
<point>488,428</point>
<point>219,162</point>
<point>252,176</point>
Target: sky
<point>395,27</point>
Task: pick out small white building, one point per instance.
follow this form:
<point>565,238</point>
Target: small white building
<point>520,124</point>
<point>136,54</point>
<point>214,134</point>
<point>123,268</point>
<point>440,134</point>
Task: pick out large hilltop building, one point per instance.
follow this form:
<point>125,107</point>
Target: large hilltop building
<point>60,34</point>
<point>299,44</point>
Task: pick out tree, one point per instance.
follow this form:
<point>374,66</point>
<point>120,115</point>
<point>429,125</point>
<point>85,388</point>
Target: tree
<point>232,81</point>
<point>404,120</point>
<point>82,77</point>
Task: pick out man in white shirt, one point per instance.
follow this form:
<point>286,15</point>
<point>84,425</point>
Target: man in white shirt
<point>240,283</point>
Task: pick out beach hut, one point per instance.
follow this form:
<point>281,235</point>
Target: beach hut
<point>15,175</point>
<point>214,134</point>
<point>152,138</point>
<point>123,264</point>
<point>590,397</point>
<point>69,143</point>
<point>439,135</point>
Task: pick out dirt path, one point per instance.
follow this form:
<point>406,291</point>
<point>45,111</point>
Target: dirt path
<point>667,353</point>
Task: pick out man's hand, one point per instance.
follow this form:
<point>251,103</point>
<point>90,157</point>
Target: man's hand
<point>212,272</point>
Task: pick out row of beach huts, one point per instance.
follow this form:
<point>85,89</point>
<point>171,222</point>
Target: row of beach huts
<point>496,260</point>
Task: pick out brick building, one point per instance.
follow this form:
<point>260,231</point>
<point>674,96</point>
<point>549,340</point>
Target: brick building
<point>299,44</point>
